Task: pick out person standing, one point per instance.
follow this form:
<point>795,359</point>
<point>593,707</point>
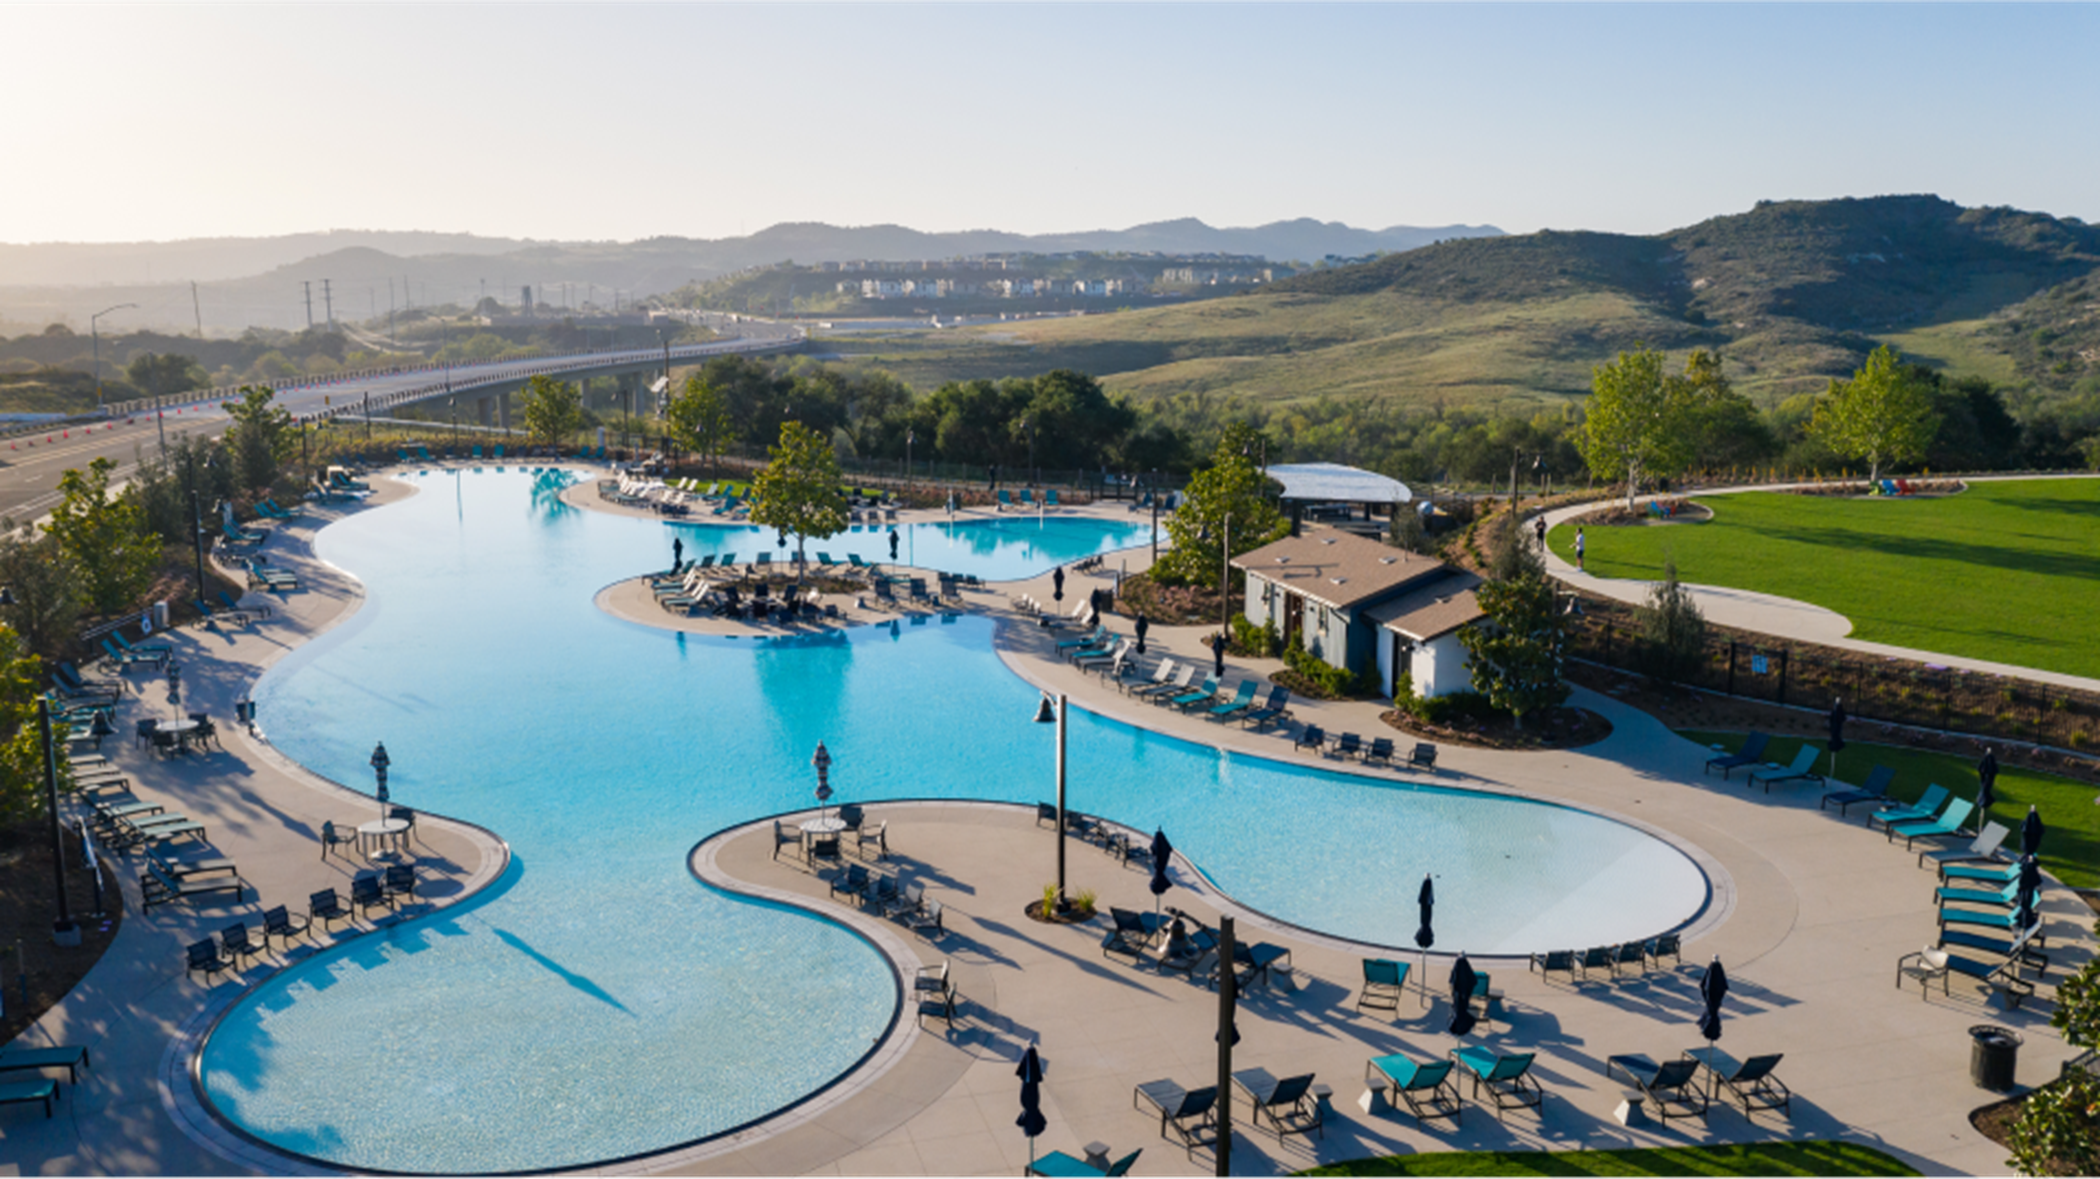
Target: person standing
<point>1578,550</point>
<point>677,553</point>
<point>893,544</point>
<point>1217,651</point>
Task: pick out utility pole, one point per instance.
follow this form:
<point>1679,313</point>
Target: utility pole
<point>328,302</point>
<point>309,304</point>
<point>198,308</point>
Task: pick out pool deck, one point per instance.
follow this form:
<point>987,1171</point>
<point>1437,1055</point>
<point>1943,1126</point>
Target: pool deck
<point>1809,914</point>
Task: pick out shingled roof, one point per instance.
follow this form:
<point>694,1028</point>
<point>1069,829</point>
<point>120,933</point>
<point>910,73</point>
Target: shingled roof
<point>1338,568</point>
<point>1431,608</point>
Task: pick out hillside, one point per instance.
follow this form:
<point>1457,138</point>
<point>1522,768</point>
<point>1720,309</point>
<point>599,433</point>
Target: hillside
<point>1790,293</point>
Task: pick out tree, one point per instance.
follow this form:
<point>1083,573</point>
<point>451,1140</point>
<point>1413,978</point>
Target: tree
<point>1722,427</point>
<point>1674,628</point>
<point>1229,486</point>
<point>165,374</point>
<point>106,539</point>
<point>1517,652</point>
<point>261,438</point>
<point>1636,421</point>
<point>553,410</point>
<point>21,739</point>
<point>43,582</point>
<point>798,492</point>
<point>699,417</point>
<point>1883,414</point>
<point>2056,1126</point>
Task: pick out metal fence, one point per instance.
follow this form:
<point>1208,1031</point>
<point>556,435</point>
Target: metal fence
<point>1875,689</point>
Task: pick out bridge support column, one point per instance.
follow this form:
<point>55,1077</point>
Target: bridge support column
<point>503,409</point>
<point>481,410</point>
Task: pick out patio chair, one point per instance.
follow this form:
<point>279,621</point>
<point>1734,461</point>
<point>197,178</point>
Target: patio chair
<point>1949,823</point>
<point>852,882</point>
<point>1385,980</point>
<point>926,917</point>
<point>1750,1081</point>
<point>1347,745</point>
<point>1595,958</point>
<point>1668,1087</point>
<point>1129,933</point>
<point>824,848</point>
<point>1045,813</point>
<point>852,814</point>
<point>1424,756</point>
<point>1547,963</point>
<point>1752,753</point>
<point>937,1001</point>
<point>1381,751</point>
<point>1799,770</point>
<point>1875,790</point>
<point>1665,945</point>
<point>278,922</point>
<point>1059,1163</point>
<point>367,893</point>
<point>1633,954</point>
<point>1507,1079</point>
<point>1286,1102</point>
<point>1311,737</point>
<point>238,943</point>
<point>205,956</point>
<point>877,837</point>
<point>1928,804</point>
<point>333,837</point>
<point>1424,1086</point>
<point>1980,860</point>
<point>399,881</point>
<point>881,894</point>
<point>1275,708</point>
<point>1186,1114</point>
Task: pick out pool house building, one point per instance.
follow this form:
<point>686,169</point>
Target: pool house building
<point>1365,606</point>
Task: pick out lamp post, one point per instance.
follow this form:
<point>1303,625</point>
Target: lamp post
<point>1153,487</point>
<point>63,930</point>
<point>95,333</point>
<point>1044,715</point>
<point>909,436</point>
<point>1225,580</point>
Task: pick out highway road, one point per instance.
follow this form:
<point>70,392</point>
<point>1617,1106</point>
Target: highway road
<point>30,465</point>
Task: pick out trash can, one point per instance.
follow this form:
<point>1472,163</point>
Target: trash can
<point>1993,1054</point>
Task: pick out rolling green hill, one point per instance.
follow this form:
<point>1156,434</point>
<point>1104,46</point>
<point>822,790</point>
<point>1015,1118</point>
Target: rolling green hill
<point>1790,293</point>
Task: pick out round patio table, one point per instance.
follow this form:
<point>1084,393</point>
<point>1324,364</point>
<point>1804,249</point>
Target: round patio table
<point>381,832</point>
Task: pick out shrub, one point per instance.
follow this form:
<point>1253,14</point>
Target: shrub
<point>1257,641</point>
<point>1334,682</point>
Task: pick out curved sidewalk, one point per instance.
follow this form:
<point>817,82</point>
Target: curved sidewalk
<point>1789,618</point>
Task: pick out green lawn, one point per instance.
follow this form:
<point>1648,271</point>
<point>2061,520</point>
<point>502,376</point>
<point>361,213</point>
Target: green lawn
<point>1757,1158</point>
<point>2008,572</point>
<point>2070,850</point>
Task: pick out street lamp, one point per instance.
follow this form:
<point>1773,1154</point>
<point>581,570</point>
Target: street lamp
<point>64,931</point>
<point>1153,488</point>
<point>95,332</point>
<point>1045,715</point>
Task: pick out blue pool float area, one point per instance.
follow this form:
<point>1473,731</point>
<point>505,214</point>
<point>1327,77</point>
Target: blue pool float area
<point>597,1002</point>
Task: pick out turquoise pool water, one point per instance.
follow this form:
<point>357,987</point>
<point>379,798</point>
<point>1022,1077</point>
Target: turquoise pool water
<point>1000,548</point>
<point>599,1003</point>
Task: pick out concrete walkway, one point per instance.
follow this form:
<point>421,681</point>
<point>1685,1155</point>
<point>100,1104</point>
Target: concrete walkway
<point>1788,617</point>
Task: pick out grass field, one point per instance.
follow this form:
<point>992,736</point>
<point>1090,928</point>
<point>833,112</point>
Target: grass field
<point>1757,1158</point>
<point>2008,572</point>
<point>2070,849</point>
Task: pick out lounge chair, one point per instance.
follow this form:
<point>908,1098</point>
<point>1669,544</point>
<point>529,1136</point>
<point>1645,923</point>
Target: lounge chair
<point>1668,1087</point>
<point>1347,745</point>
<point>326,906</point>
<point>197,866</point>
<point>1506,1078</point>
<point>1750,1081</point>
<point>1160,675</point>
<point>1099,637</point>
<point>1799,770</point>
<point>1195,951</point>
<point>1928,964</point>
<point>2019,948</point>
<point>1004,502</point>
<point>1130,933</point>
<point>1876,790</point>
<point>66,1057</point>
<point>1184,1113</point>
<point>1928,804</point>
<point>1059,1163</point>
<point>159,887</point>
<point>1752,753</point>
<point>160,649</point>
<point>1287,1102</point>
<point>1312,737</point>
<point>1275,708</point>
<point>1027,498</point>
<point>124,658</point>
<point>2003,897</point>
<point>23,1092</point>
<point>1385,980</point>
<point>1425,1086</point>
<point>1980,860</point>
<point>1173,687</point>
<point>1949,822</point>
<point>2005,919</point>
<point>1050,498</point>
<point>205,956</point>
<point>1241,701</point>
<point>1208,691</point>
<point>1551,961</point>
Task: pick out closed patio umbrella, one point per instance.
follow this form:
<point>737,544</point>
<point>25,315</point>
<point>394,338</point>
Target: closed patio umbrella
<point>1713,987</point>
<point>1425,935</point>
<point>1031,1120</point>
<point>2031,832</point>
<point>1162,851</point>
<point>1987,781</point>
<point>1057,584</point>
<point>1142,625</point>
<point>2030,893</point>
<point>1463,980</point>
<point>1837,733</point>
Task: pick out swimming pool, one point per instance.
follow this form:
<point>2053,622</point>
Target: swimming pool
<point>995,548</point>
<point>598,1003</point>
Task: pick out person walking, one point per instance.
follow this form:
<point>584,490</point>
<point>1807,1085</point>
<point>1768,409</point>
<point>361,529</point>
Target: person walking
<point>1578,551</point>
<point>1539,526</point>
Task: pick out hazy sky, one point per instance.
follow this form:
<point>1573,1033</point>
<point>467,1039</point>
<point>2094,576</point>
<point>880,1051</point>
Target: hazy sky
<point>599,120</point>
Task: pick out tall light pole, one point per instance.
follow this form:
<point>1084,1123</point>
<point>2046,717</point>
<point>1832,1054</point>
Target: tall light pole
<point>1154,489</point>
<point>909,435</point>
<point>1225,581</point>
<point>95,334</point>
<point>63,931</point>
<point>1045,715</point>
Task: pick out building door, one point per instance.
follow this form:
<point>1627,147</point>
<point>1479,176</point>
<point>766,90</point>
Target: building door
<point>1293,617</point>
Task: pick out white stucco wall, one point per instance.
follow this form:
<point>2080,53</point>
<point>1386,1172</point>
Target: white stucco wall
<point>1440,667</point>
